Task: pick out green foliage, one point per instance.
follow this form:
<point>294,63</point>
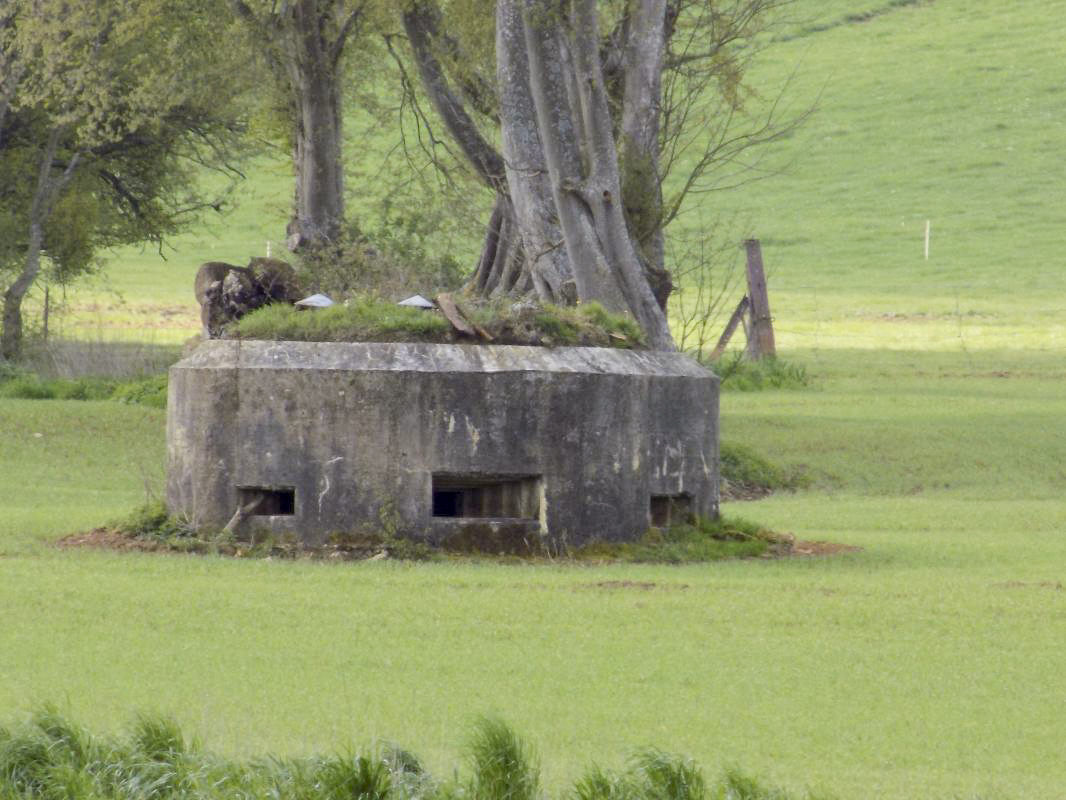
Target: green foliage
<point>158,738</point>
<point>701,540</point>
<point>32,387</point>
<point>150,391</point>
<point>367,319</point>
<point>746,474</point>
<point>9,371</point>
<point>394,261</point>
<point>503,766</point>
<point>152,520</point>
<point>355,777</point>
<point>655,774</point>
<point>27,388</point>
<point>49,758</point>
<point>669,777</point>
<point>115,114</point>
<point>742,375</point>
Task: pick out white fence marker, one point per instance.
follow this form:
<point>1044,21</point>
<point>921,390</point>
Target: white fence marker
<point>928,228</point>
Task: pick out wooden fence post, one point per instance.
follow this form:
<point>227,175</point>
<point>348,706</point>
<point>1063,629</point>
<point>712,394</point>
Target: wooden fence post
<point>761,336</point>
<point>730,328</point>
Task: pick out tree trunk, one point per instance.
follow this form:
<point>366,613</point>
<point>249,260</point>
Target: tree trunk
<point>575,126</point>
<point>639,144</point>
<point>10,67</point>
<point>545,257</point>
<point>45,193</point>
<point>311,60</point>
<point>514,258</point>
<point>559,227</point>
<point>500,268</point>
<point>302,42</point>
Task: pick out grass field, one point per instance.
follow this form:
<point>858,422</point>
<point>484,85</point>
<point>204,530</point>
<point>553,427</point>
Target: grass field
<point>925,665</point>
<point>928,664</point>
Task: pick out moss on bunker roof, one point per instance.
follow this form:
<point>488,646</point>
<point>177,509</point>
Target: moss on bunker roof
<point>374,320</point>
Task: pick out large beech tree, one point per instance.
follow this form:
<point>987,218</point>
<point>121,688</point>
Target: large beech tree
<point>594,102</point>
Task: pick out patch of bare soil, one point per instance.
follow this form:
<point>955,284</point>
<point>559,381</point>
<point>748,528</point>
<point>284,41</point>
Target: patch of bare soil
<point>789,546</point>
<point>110,539</point>
<point>644,586</point>
<point>738,490</point>
<point>822,548</point>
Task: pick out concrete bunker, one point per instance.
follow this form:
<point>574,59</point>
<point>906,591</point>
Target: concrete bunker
<point>502,448</point>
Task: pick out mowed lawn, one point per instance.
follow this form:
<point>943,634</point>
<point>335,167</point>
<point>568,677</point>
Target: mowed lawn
<point>930,663</point>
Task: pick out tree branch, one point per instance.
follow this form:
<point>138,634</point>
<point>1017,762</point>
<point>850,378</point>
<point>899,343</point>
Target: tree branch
<point>336,49</point>
<point>420,23</point>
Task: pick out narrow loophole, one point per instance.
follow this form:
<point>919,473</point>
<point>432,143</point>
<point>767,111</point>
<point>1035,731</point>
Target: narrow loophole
<point>665,510</point>
<point>486,496</point>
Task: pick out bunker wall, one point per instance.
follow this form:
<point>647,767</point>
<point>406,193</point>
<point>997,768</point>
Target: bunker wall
<point>553,447</point>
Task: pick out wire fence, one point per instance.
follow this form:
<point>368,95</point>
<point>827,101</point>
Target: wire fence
<point>974,319</point>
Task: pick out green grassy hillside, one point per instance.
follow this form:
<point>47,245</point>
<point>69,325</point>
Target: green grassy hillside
<point>947,111</point>
<point>950,112</point>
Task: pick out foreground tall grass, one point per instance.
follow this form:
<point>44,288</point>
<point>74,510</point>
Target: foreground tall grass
<point>51,757</point>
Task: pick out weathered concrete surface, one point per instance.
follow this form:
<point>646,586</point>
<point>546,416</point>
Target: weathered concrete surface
<point>548,447</point>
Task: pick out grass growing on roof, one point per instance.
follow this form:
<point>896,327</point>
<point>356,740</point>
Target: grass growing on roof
<point>362,321</point>
<point>367,319</point>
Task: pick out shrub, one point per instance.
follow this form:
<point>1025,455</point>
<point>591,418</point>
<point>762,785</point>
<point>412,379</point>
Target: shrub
<point>747,475</point>
<point>390,260</point>
<point>152,520</point>
<point>701,540</point>
<point>504,768</point>
<point>27,387</point>
<point>150,391</point>
<point>9,371</point>
<point>741,375</point>
<point>83,388</point>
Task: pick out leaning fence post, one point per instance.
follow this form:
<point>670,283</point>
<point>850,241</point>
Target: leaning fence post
<point>730,328</point>
<point>761,334</point>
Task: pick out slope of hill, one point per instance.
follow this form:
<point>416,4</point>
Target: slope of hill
<point>949,112</point>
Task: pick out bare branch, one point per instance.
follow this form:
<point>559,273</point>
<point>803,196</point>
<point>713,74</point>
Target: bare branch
<point>420,22</point>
